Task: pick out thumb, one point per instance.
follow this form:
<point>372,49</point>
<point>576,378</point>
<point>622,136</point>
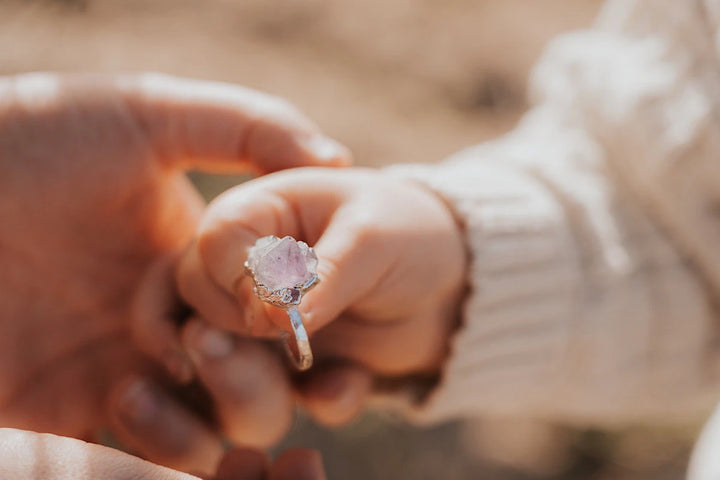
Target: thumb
<point>351,261</point>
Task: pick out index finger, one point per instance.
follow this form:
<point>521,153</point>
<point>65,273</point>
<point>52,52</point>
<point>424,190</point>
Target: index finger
<point>220,126</point>
<point>191,124</point>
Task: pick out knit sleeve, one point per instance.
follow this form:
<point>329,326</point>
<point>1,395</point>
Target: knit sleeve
<point>585,304</point>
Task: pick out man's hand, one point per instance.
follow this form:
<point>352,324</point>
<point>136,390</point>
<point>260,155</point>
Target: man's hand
<point>91,192</point>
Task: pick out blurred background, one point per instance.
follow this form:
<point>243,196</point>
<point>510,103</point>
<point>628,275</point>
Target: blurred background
<point>396,81</point>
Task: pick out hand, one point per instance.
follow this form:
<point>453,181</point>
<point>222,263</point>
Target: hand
<point>35,456</point>
<point>391,268</point>
<point>92,192</point>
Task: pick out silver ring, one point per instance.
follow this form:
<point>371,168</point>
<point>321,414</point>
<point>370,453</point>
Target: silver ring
<point>271,253</point>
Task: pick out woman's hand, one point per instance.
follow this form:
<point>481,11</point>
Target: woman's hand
<point>391,264</point>
<point>34,456</point>
<point>92,192</point>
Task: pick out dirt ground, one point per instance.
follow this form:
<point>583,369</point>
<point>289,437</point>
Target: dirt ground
<point>397,81</point>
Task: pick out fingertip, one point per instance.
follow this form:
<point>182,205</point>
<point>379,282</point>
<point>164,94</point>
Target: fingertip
<point>347,269</point>
<point>317,309</point>
<point>206,342</point>
<point>325,152</point>
<point>252,392</point>
<point>134,400</point>
<point>179,366</point>
<point>243,464</point>
<point>298,464</point>
<point>153,423</point>
<point>336,395</point>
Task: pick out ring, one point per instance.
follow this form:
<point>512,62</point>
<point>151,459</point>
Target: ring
<point>283,270</point>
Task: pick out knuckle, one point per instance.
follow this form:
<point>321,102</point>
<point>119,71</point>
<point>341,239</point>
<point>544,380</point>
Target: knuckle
<point>368,235</point>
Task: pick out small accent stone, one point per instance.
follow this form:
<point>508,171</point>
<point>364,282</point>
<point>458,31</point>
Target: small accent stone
<point>291,295</point>
<point>282,263</point>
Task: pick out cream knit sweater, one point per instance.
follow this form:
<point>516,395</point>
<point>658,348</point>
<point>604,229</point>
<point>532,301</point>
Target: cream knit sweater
<point>594,230</point>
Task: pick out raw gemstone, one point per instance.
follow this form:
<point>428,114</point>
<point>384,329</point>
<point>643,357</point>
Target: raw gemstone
<point>280,263</point>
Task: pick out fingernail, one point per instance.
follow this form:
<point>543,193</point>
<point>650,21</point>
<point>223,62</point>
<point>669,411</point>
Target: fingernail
<point>324,148</point>
<point>179,366</point>
<point>214,343</point>
<point>139,402</point>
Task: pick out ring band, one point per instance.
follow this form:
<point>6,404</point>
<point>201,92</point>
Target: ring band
<point>298,349</point>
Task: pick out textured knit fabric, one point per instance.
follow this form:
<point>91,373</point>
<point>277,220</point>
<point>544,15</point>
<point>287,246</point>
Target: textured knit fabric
<point>594,230</point>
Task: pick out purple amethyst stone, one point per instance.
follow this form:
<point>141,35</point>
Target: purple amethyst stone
<point>282,263</point>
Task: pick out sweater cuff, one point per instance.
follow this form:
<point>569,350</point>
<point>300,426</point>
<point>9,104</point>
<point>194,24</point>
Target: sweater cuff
<point>508,354</point>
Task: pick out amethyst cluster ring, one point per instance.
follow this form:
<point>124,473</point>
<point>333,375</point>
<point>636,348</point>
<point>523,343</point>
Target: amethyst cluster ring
<point>282,270</point>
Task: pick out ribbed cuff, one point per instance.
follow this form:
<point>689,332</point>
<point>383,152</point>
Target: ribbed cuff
<point>509,353</point>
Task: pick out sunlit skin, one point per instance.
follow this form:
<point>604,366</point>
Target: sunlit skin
<point>35,456</point>
<point>391,264</point>
<point>92,192</point>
